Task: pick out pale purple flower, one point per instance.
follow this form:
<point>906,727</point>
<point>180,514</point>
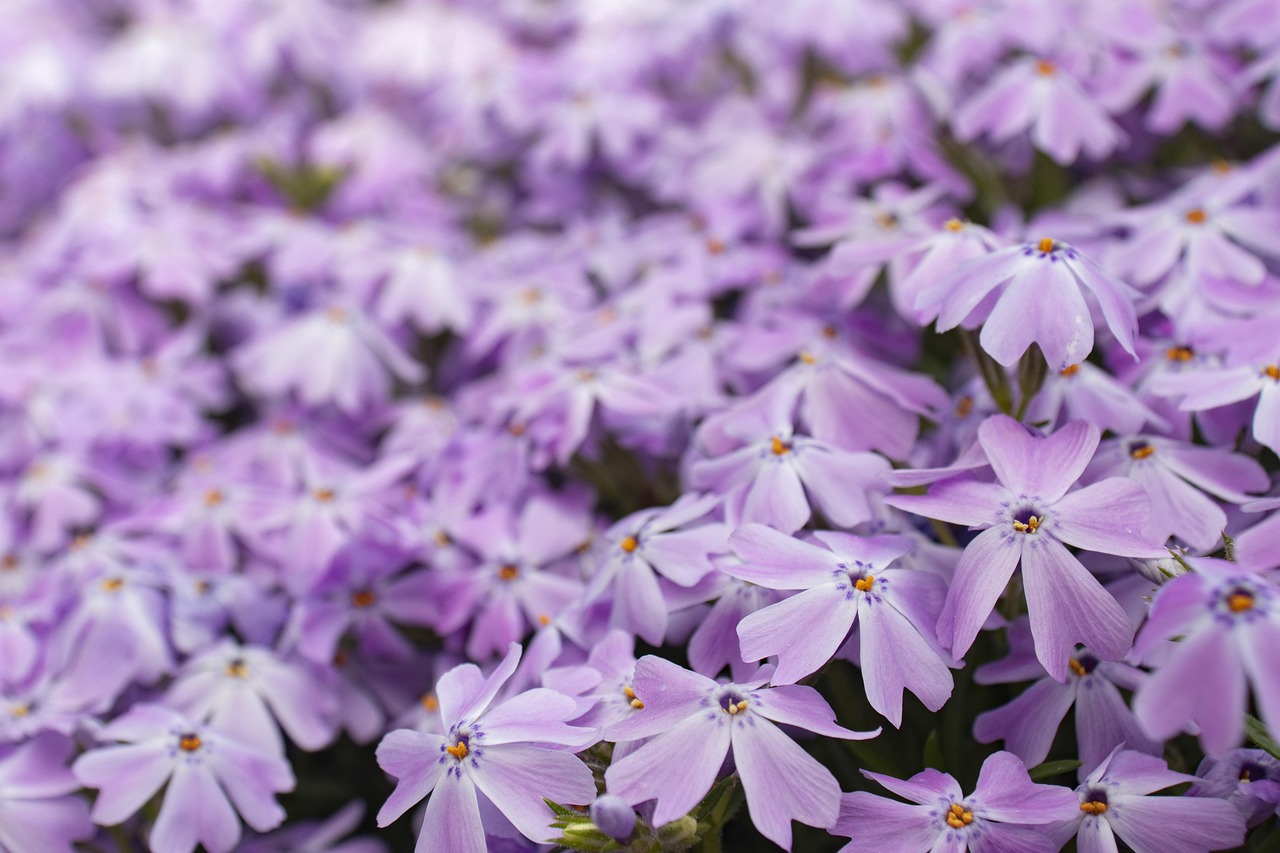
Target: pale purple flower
<point>1249,779</point>
<point>694,722</point>
<point>211,777</point>
<point>39,812</point>
<point>1027,519</point>
<point>510,756</point>
<point>1006,811</point>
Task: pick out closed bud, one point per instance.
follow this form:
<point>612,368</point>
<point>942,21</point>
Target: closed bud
<point>613,816</point>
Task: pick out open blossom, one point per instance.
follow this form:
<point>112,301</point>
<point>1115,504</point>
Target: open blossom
<point>510,755</point>
<point>1228,619</point>
<point>845,579</point>
<point>1033,293</point>
<point>694,722</point>
<point>38,807</point>
<point>1006,811</point>
<point>1026,520</point>
<point>211,776</point>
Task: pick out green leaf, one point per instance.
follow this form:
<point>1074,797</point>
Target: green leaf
<point>1256,731</point>
<point>1053,768</point>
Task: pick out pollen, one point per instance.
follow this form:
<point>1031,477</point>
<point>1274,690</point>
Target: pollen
<point>1093,807</point>
<point>630,544</point>
<point>544,620</point>
<point>806,358</point>
<point>237,668</point>
<point>716,247</point>
<point>734,709</point>
<point>324,496</point>
<point>442,539</point>
<point>190,742</point>
<point>1239,602</point>
<point>1141,450</point>
<point>1196,216</point>
<point>113,584</point>
<point>865,584</point>
<point>1272,371</point>
<point>508,572</point>
<point>958,817</point>
<point>1031,525</point>
<point>1045,68</point>
<point>363,598</point>
<point>779,446</point>
<point>953,225</point>
<point>20,710</point>
<point>1069,371</point>
<point>1046,245</point>
<point>887,221</point>
<point>964,406</point>
<point>458,750</point>
<point>430,703</point>
<point>213,497</point>
<point>1077,668</point>
<point>1183,354</point>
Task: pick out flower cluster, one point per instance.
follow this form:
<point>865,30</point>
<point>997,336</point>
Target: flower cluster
<point>501,423</point>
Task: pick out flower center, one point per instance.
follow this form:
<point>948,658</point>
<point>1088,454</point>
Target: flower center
<point>630,544</point>
<point>964,406</point>
<point>631,694</point>
<point>1196,216</point>
<point>363,598</point>
<point>1249,772</point>
<point>1046,245</point>
<point>954,225</point>
<point>237,668</point>
<point>1240,601</point>
<point>430,703</point>
<point>1026,521</point>
<point>22,709</point>
<point>1141,450</point>
<point>1095,803</point>
<point>1083,665</point>
<point>779,447</point>
<point>113,584</point>
<point>458,750</point>
<point>1045,68</point>
<point>1183,354</point>
<point>958,817</point>
<point>213,497</point>
<point>1272,372</point>
<point>1071,370</point>
<point>323,496</point>
<point>190,742</point>
<point>864,584</point>
<point>732,703</point>
<point>508,572</point>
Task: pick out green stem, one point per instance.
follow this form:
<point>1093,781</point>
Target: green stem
<point>992,374</point>
<point>945,536</point>
<point>124,843</point>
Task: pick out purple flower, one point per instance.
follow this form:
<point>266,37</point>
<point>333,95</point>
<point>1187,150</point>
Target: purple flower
<point>38,810</point>
<point>693,722</point>
<point>1033,293</point>
<point>210,777</point>
<point>1027,519</point>
<point>1006,811</point>
<point>1228,619</point>
<point>1116,800</point>
<point>509,756</point>
<point>1249,779</point>
<point>849,579</point>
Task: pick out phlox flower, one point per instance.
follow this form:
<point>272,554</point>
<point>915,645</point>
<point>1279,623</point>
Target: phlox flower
<point>1005,812</point>
<point>509,756</point>
<point>1249,779</point>
<point>694,722</point>
<point>38,807</point>
<point>211,776</point>
<point>1027,519</point>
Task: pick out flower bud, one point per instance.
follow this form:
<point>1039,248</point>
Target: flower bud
<point>613,816</point>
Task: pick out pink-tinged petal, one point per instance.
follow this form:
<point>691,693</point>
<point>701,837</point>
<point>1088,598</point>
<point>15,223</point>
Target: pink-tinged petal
<point>1114,298</point>
<point>1006,793</point>
<point>927,786</point>
<point>499,623</point>
<point>535,716</point>
<point>413,758</point>
<point>516,777</point>
<point>676,768</point>
<point>1227,475</point>
<point>1028,724</point>
<point>1257,646</point>
<point>503,671</point>
<point>1209,389</point>
<point>1177,604</point>
<point>885,426</point>
<point>959,500</point>
<point>38,767</point>
<point>1006,838</point>
<point>44,826</point>
<point>776,497</point>
<point>1176,824</point>
<point>548,529</point>
<point>1136,773</point>
<point>683,555</point>
<point>782,782</point>
<point>127,776</point>
<point>452,819</point>
<point>838,482</point>
<point>1106,517</point>
<point>962,292</point>
<point>251,780</point>
<point>1178,508</point>
<point>895,657</point>
<point>981,574</point>
<point>880,825</point>
<point>1004,107</point>
<point>305,708</point>
<point>1211,255</point>
<point>1103,722</point>
<point>194,811</point>
<point>1038,467</point>
<point>1042,304</point>
<point>803,707</point>
<point>1094,835</point>
<point>638,604</point>
<point>1201,684</point>
<point>804,631</point>
<point>1254,227</point>
<point>876,550</point>
<point>778,560</point>
<point>669,692</point>
<point>1266,417</point>
<point>1067,605</point>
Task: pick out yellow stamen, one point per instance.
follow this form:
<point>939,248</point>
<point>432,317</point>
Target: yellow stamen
<point>780,447</point>
<point>9,562</point>
<point>544,619</point>
<point>1069,371</point>
<point>113,584</point>
<point>1272,371</point>
<point>1239,602</point>
<point>1142,451</point>
<point>237,669</point>
<point>1179,354</point>
<point>630,544</point>
<point>959,817</point>
<point>954,225</point>
<point>716,247</point>
<point>629,692</point>
<point>190,742</point>
<point>637,704</point>
<point>1093,807</point>
<point>531,296</point>
<point>1196,216</point>
<point>806,358</point>
<point>442,539</point>
<point>738,708</point>
<point>20,710</point>
<point>324,496</point>
<point>1220,166</point>
<point>1077,667</point>
<point>1031,526</point>
<point>865,584</point>
<point>1046,245</point>
<point>363,598</point>
<point>213,497</point>
<point>508,572</point>
<point>1045,68</point>
<point>887,221</point>
<point>459,751</point>
<point>430,703</point>
<point>964,406</point>
<point>336,315</point>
